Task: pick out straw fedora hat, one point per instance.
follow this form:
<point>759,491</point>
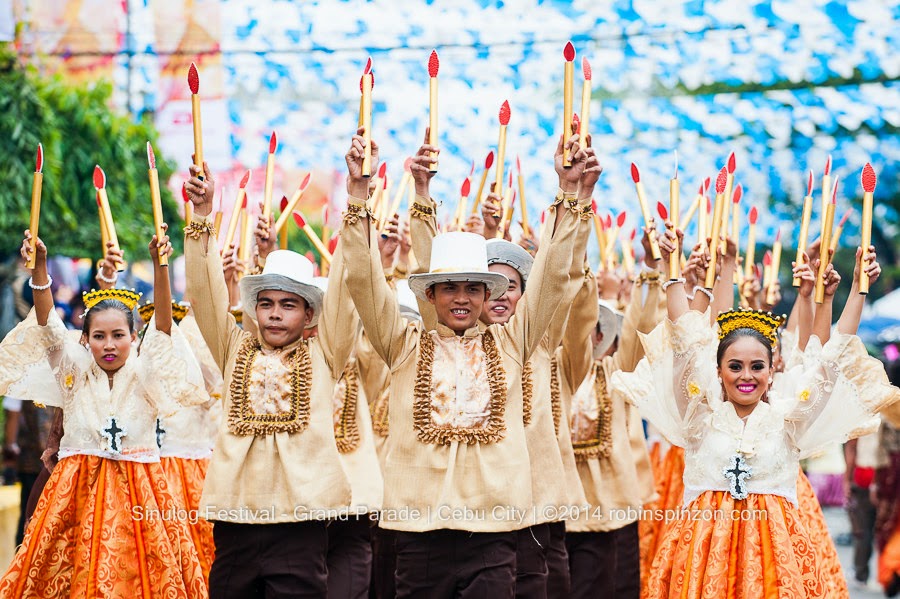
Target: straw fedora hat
<point>610,321</point>
<point>458,257</point>
<point>500,251</point>
<point>284,271</point>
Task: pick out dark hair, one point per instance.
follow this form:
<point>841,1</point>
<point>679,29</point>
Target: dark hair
<point>736,334</point>
<point>102,306</point>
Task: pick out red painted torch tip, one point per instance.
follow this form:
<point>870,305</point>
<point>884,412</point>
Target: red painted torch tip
<point>661,210</point>
<point>706,183</point>
<point>828,166</point>
<point>732,163</point>
<point>194,79</point>
<point>702,189</point>
<point>465,187</point>
<point>298,218</point>
<point>151,157</point>
<point>708,206</point>
<point>635,173</point>
<point>509,181</point>
<point>273,143</point>
<point>620,220</point>
<point>845,217</point>
<point>594,208</point>
<point>184,193</point>
<point>834,189</point>
<point>631,237</point>
<point>99,177</point>
<point>245,179</point>
<point>754,214</point>
<point>39,162</point>
<point>778,235</point>
<point>767,258</point>
<point>332,243</point>
<point>738,192</point>
<point>586,68</point>
<point>489,161</point>
<point>868,178</point>
<point>518,164</point>
<point>244,203</point>
<point>569,52</point>
<point>283,204</point>
<point>305,182</point>
<point>720,180</point>
<point>433,64</point>
<point>809,183</point>
<point>505,113</point>
<point>368,68</point>
<point>608,222</point>
<point>382,169</point>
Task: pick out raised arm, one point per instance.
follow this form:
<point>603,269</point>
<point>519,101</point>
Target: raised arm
<point>575,357</point>
<point>40,279</point>
<point>423,221</point>
<point>375,301</point>
<point>338,321</point>
<point>205,276</point>
<point>802,313</point>
<point>848,323</point>
<point>106,268</point>
<point>162,290</point>
<point>641,315</point>
<point>723,290</point>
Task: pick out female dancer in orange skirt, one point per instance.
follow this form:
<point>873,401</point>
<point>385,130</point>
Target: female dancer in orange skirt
<point>741,534</point>
<point>106,523</point>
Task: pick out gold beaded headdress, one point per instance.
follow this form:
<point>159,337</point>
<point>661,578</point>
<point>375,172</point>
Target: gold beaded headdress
<point>129,297</point>
<point>765,323</point>
<point>179,311</point>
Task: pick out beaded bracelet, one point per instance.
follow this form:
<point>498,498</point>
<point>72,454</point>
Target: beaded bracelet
<point>40,287</point>
<point>111,280</point>
<point>667,283</point>
<point>705,291</point>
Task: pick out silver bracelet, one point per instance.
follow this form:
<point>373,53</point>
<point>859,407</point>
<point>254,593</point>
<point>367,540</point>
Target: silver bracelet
<point>666,284</point>
<point>705,291</point>
<point>40,287</point>
<point>112,280</point>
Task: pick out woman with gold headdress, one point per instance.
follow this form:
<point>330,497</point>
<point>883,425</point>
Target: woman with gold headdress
<point>740,533</point>
<point>107,523</point>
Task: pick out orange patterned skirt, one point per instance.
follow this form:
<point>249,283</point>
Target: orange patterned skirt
<point>186,483</point>
<point>889,559</point>
<point>668,474</point>
<point>755,548</point>
<point>826,552</point>
<point>106,528</point>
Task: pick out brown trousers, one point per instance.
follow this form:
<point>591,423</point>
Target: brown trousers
<point>349,558</point>
<point>531,562</point>
<point>456,564</point>
<point>285,560</point>
<point>558,582</point>
<point>605,564</point>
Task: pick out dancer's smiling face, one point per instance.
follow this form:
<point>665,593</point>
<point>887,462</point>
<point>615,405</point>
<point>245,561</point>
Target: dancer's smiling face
<point>745,367</point>
<point>458,304</point>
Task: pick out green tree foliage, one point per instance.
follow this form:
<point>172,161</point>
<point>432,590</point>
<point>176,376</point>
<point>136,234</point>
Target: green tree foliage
<point>78,130</point>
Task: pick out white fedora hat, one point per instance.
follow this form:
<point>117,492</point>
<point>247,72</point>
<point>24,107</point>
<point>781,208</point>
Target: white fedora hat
<point>284,271</point>
<point>458,257</point>
<point>610,321</point>
<point>500,251</point>
<point>409,306</point>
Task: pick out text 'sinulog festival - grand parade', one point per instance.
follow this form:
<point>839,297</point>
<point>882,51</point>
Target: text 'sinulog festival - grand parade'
<point>511,390</point>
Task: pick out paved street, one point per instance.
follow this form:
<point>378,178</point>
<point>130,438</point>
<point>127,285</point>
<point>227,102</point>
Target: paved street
<point>838,524</point>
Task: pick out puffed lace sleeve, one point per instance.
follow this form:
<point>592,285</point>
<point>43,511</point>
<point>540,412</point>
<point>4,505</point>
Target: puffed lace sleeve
<point>41,363</point>
<point>674,383</point>
<point>169,371</point>
<point>838,391</point>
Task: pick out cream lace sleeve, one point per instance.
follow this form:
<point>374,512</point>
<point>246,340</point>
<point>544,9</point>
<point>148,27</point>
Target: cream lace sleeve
<point>838,392</point>
<point>675,383</point>
<point>40,363</point>
<point>169,371</point>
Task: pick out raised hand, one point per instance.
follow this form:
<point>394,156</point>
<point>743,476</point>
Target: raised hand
<point>491,213</point>
<point>873,269</point>
<point>201,191</point>
<point>420,165</point>
<point>162,246</point>
<point>806,273</point>
<point>832,280</point>
<point>389,242</point>
<point>569,178</point>
<point>591,172</point>
<point>474,224</point>
<point>39,248</point>
<point>266,238</point>
<point>357,185</point>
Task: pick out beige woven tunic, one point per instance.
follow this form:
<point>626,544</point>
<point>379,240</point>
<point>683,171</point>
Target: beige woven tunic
<point>619,481</point>
<point>277,476</point>
<point>456,458</point>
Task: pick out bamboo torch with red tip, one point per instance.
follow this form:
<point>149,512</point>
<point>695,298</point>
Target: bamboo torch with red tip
<point>104,234</point>
<point>674,211</point>
<point>156,202</point>
<point>776,266</point>
<point>836,237</point>
<point>506,213</point>
<point>365,88</point>
<point>611,240</point>
<point>645,211</point>
<point>283,236</point>
<point>404,182</point>
<point>270,176</point>
<point>291,205</point>
<point>703,219</point>
<point>460,215</point>
<point>868,184</point>
<point>488,163</point>
<point>505,114</point>
<point>568,99</point>
<point>599,232</point>
<point>239,203</point>
<point>751,242</point>
<point>585,101</point>
<point>100,186</point>
<point>804,225</point>
<point>726,204</point>
<point>824,258</point>
<point>716,227</point>
<point>526,230</point>
<point>826,189</point>
<point>36,187</point>
<point>188,205</point>
<point>194,84</point>
<point>433,66</point>
<point>311,235</point>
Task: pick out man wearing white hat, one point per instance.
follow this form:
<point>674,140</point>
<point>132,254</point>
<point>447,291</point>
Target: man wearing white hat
<point>275,476</point>
<point>457,475</point>
<point>610,448</point>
